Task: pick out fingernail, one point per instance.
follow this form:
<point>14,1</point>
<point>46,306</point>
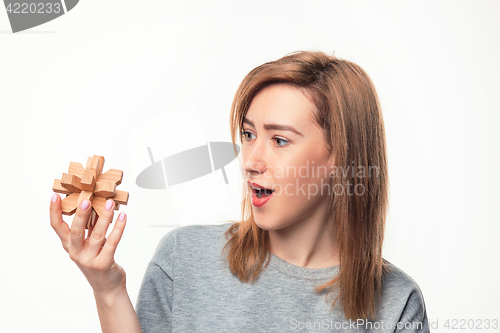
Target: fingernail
<point>122,216</point>
<point>54,197</point>
<point>109,204</point>
<point>85,204</point>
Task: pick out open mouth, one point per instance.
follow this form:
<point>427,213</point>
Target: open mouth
<point>262,193</point>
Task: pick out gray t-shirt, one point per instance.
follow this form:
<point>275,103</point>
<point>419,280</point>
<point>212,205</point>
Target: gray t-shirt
<point>188,287</point>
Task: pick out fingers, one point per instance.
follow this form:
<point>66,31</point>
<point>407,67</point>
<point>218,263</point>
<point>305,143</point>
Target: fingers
<point>114,237</point>
<point>102,245</point>
<point>97,237</point>
<point>77,232</point>
<point>56,221</point>
<point>89,230</point>
<point>96,244</point>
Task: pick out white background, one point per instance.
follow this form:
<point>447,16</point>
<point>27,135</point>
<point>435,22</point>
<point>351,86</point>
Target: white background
<point>91,81</point>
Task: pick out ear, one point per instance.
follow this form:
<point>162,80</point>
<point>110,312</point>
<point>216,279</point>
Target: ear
<point>331,160</point>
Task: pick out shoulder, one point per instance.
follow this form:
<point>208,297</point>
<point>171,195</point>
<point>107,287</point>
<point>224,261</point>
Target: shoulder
<point>395,279</point>
<point>188,239</point>
<point>402,295</point>
<point>193,233</point>
<point>396,282</point>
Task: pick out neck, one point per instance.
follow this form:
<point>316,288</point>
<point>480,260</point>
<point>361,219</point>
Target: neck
<point>310,243</point>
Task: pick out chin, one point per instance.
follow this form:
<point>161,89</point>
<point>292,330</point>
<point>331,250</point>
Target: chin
<point>268,225</point>
<point>263,225</point>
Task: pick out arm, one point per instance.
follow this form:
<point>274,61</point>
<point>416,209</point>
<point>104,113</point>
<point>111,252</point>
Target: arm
<point>414,316</point>
<point>116,313</point>
<point>155,300</point>
<point>94,255</point>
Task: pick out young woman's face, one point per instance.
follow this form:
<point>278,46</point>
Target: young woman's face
<point>291,159</point>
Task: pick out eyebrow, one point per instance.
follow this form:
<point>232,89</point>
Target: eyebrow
<point>274,126</point>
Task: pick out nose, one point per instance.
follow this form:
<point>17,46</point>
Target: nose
<point>253,158</point>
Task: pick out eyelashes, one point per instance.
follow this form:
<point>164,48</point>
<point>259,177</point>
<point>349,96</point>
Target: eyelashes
<point>276,139</point>
<point>243,135</point>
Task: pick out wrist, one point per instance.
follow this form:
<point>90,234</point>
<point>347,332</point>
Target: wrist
<point>110,299</point>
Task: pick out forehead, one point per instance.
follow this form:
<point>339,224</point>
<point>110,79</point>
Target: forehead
<point>282,103</point>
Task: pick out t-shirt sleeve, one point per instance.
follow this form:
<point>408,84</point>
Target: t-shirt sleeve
<point>154,303</point>
<point>414,316</point>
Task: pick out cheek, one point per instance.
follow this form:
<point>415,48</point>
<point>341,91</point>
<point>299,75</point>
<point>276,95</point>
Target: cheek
<point>303,182</point>
<point>241,165</point>
<point>242,158</point>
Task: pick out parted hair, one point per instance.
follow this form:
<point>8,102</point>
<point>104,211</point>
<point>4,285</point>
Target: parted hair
<point>348,111</point>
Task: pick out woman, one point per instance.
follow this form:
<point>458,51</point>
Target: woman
<point>308,251</point>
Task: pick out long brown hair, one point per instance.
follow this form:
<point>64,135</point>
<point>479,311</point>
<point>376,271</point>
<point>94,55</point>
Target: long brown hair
<point>348,111</point>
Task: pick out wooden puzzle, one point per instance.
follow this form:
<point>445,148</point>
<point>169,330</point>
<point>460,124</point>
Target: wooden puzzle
<point>90,184</point>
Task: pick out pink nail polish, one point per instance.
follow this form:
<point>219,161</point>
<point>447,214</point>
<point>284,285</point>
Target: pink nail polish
<point>109,204</point>
<point>85,204</point>
<point>122,216</point>
<point>54,197</point>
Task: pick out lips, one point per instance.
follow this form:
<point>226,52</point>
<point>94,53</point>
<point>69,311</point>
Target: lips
<point>260,194</point>
<point>260,190</point>
<point>255,185</point>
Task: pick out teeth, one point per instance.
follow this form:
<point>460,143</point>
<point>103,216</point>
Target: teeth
<point>260,191</point>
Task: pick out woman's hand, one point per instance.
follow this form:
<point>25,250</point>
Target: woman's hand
<point>93,254</point>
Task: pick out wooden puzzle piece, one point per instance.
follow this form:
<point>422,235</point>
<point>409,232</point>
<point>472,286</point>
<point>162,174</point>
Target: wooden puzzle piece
<point>92,165</point>
<point>57,187</point>
<point>90,183</point>
<point>91,219</point>
<point>76,169</point>
<point>69,204</point>
<point>71,182</point>
<point>105,188</point>
<point>85,195</point>
<point>120,197</point>
<point>113,175</point>
<point>95,165</point>
<point>101,165</point>
<point>98,205</point>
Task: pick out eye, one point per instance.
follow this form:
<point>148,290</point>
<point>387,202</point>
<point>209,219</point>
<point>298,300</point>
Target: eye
<point>281,140</point>
<point>278,140</point>
<point>244,135</point>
